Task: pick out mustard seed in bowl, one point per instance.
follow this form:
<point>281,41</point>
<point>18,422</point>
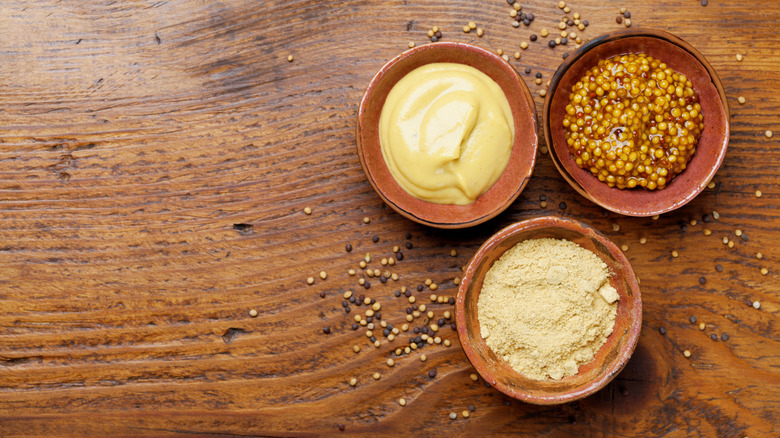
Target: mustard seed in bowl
<point>633,121</point>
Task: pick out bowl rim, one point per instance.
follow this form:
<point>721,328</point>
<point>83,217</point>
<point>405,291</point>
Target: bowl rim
<point>624,353</point>
<point>524,95</point>
<point>624,34</point>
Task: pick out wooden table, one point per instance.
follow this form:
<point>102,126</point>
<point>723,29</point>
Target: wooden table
<point>155,162</point>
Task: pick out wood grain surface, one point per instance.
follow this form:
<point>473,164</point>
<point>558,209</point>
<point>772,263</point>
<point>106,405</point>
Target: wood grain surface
<point>155,161</point>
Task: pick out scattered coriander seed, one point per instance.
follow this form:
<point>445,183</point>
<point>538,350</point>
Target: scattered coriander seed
<point>473,377</point>
<point>367,258</point>
<point>377,376</point>
<point>453,415</point>
<point>366,220</point>
<point>715,215</point>
<point>390,363</point>
<point>756,305</point>
<point>290,58</point>
<point>310,280</point>
<point>352,381</point>
<point>758,193</point>
<point>741,100</point>
<point>693,222</point>
<point>764,271</point>
<point>725,240</point>
<point>739,57</point>
<point>253,313</point>
<point>402,402</point>
<point>687,353</point>
<point>307,210</point>
<point>453,253</point>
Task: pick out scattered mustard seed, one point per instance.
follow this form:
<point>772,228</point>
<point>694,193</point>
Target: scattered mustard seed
<point>702,326</point>
<point>707,232</point>
<point>642,240</point>
<point>615,227</point>
<point>561,4</point>
<point>517,55</point>
<point>253,313</point>
<point>290,58</point>
<point>756,305</point>
<point>453,253</point>
<point>366,220</point>
<point>759,256</point>
<point>542,92</point>
<point>711,185</point>
<point>523,45</point>
<point>377,376</point>
<point>739,57</point>
<point>466,29</point>
<point>323,275</point>
<point>447,343</point>
<point>411,44</point>
<point>544,32</point>
<point>453,415</point>
<point>390,363</point>
<point>480,32</point>
<point>465,414</point>
<point>731,244</point>
<point>433,286</point>
<point>310,280</point>
<point>456,281</point>
<point>656,217</point>
<point>352,381</point>
<point>474,377</point>
<point>402,402</point>
<point>307,210</point>
<point>356,349</point>
<point>758,193</point>
<point>741,100</point>
<point>351,272</point>
<point>764,271</point>
<point>624,247</point>
<point>768,134</point>
<point>687,353</point>
<point>472,25</point>
<point>675,254</point>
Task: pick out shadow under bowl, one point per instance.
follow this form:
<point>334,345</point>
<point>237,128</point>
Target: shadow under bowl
<point>610,358</point>
<point>710,151</point>
<point>522,158</point>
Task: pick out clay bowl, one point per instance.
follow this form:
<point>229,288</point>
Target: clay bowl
<point>608,361</point>
<point>521,161</point>
<point>710,151</point>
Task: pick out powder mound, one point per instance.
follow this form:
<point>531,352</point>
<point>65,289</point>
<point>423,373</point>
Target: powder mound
<point>546,307</point>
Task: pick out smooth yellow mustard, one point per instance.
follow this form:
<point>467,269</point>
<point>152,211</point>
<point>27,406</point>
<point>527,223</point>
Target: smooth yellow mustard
<point>446,133</point>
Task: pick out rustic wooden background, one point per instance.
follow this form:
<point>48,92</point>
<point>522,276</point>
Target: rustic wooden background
<point>135,135</point>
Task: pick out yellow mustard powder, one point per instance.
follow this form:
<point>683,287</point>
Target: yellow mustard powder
<point>546,307</point>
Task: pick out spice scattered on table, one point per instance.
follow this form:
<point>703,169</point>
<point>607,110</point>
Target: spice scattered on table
<point>290,58</point>
<point>687,353</point>
<point>253,313</point>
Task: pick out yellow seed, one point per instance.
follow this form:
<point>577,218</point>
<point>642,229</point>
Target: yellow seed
<point>430,33</point>
<point>479,32</point>
<point>352,381</point>
<point>768,134</point>
<point>675,254</point>
<point>656,217</point>
<point>356,349</point>
<point>366,220</point>
<point>402,402</point>
<point>738,233</point>
<point>517,6</point>
<point>524,45</point>
<point>390,363</point>
<point>624,247</point>
<point>465,414</point>
<point>435,29</point>
<point>759,256</point>
<point>731,244</point>
<point>423,358</point>
<point>433,297</point>
<point>377,376</point>
<point>764,271</point>
<point>707,232</point>
<point>687,353</point>
<point>741,100</point>
<point>428,281</point>
<point>310,280</point>
<point>561,4</point>
<point>472,25</point>
<point>544,32</point>
<point>739,57</point>
<point>543,92</point>
<point>711,185</point>
<point>447,343</point>
<point>412,299</point>
<point>253,313</point>
<point>517,55</point>
<point>307,210</point>
<point>351,272</point>
<point>456,281</point>
<point>290,58</point>
<point>453,253</point>
<point>567,9</point>
<point>433,286</point>
<point>474,377</point>
<point>411,44</point>
<point>466,29</point>
<point>702,326</point>
<point>758,193</point>
<point>323,275</point>
<point>543,204</point>
<point>500,52</point>
<point>643,240</point>
<point>394,276</point>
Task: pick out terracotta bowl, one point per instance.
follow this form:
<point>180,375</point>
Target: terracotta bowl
<point>608,361</point>
<point>521,161</point>
<point>710,151</point>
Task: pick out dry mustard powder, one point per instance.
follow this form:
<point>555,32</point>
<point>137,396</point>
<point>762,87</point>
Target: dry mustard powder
<point>546,307</point>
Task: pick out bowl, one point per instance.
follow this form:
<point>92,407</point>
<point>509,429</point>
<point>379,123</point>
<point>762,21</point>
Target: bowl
<point>710,151</point>
<point>522,157</point>
<point>610,358</point>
